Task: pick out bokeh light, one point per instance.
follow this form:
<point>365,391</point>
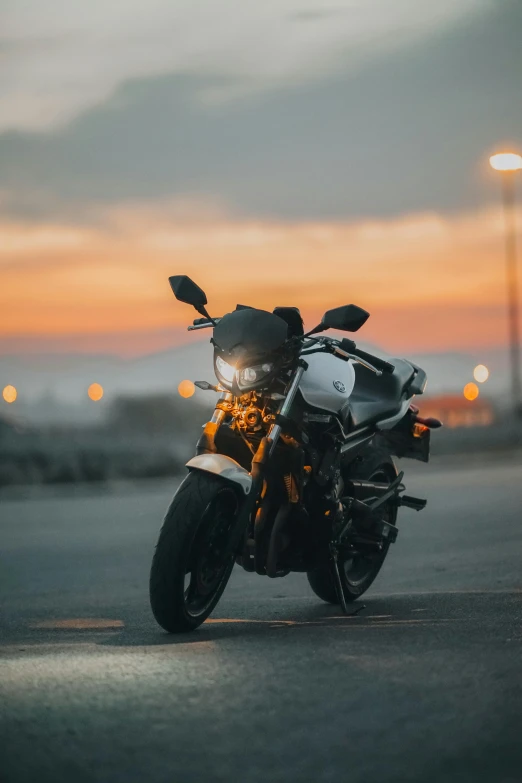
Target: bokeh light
<point>506,161</point>
<point>471,391</point>
<point>95,392</point>
<point>186,389</point>
<point>481,373</point>
<point>9,393</point>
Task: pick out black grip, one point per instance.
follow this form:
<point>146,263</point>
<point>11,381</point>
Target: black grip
<point>379,363</point>
<point>198,321</point>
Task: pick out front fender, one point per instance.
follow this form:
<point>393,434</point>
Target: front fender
<point>223,466</point>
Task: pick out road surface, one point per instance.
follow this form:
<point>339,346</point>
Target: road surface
<point>424,684</point>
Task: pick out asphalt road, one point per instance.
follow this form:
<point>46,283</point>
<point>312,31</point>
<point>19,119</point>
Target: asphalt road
<point>424,684</point>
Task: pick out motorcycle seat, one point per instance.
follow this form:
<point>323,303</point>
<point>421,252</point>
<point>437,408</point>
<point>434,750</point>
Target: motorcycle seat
<point>376,397</point>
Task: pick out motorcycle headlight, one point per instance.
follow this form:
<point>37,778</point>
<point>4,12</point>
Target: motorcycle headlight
<point>224,371</point>
<point>246,379</point>
<point>252,376</point>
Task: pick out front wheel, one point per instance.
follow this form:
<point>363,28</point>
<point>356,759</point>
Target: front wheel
<point>359,571</point>
<point>194,555</point>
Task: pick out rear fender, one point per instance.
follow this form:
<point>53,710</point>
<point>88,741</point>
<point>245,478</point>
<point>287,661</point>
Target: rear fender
<point>223,466</point>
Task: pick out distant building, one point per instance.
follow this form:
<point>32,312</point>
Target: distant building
<point>455,411</point>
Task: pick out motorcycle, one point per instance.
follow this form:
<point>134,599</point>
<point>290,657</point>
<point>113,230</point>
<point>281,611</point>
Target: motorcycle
<point>295,470</point>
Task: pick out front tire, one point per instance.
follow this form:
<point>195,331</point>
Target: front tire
<point>358,574</point>
<point>194,558</point>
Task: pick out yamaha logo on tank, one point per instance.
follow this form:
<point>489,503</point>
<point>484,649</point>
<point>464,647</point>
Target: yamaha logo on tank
<point>339,385</point>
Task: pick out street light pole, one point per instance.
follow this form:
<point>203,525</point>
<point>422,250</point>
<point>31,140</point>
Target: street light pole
<point>508,198</point>
<point>507,164</point>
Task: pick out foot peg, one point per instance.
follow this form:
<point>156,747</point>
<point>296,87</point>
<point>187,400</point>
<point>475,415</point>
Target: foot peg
<point>417,504</point>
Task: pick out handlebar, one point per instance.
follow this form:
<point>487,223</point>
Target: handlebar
<point>201,323</point>
<point>346,349</point>
<point>381,364</point>
<point>348,346</point>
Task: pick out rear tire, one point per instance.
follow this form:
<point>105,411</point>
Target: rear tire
<point>376,465</point>
<point>195,542</point>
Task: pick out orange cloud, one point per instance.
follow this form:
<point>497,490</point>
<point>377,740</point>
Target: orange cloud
<point>430,281</point>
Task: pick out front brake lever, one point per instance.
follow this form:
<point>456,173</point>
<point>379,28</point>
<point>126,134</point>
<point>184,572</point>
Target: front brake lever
<point>344,355</point>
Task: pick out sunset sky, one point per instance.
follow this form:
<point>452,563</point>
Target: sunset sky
<point>281,153</point>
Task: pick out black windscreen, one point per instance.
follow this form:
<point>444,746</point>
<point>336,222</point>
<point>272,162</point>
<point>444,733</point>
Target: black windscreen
<point>249,334</point>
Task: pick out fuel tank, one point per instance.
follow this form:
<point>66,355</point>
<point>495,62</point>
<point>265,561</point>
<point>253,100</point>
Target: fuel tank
<point>327,383</point>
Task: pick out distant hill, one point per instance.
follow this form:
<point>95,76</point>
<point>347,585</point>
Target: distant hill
<point>54,386</point>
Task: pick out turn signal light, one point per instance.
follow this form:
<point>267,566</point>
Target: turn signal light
<point>430,422</point>
<point>420,430</point>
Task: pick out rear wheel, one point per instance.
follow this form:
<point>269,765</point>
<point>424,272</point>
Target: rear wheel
<point>358,572</point>
<point>194,555</point>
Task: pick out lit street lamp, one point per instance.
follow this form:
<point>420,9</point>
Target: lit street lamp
<point>508,163</point>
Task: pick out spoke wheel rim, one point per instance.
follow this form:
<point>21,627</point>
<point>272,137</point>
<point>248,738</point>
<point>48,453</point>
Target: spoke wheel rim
<point>210,557</point>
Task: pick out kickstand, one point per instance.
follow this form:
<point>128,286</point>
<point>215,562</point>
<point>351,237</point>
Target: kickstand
<point>338,583</point>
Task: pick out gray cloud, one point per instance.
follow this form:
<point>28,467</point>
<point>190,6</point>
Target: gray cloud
<point>317,14</point>
<point>407,133</point>
<point>98,46</point>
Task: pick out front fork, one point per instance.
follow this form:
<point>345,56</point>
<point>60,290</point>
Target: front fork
<point>284,411</point>
<point>206,444</point>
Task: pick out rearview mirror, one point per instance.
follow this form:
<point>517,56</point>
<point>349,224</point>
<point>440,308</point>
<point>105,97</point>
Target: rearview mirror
<point>348,318</point>
<point>186,290</point>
